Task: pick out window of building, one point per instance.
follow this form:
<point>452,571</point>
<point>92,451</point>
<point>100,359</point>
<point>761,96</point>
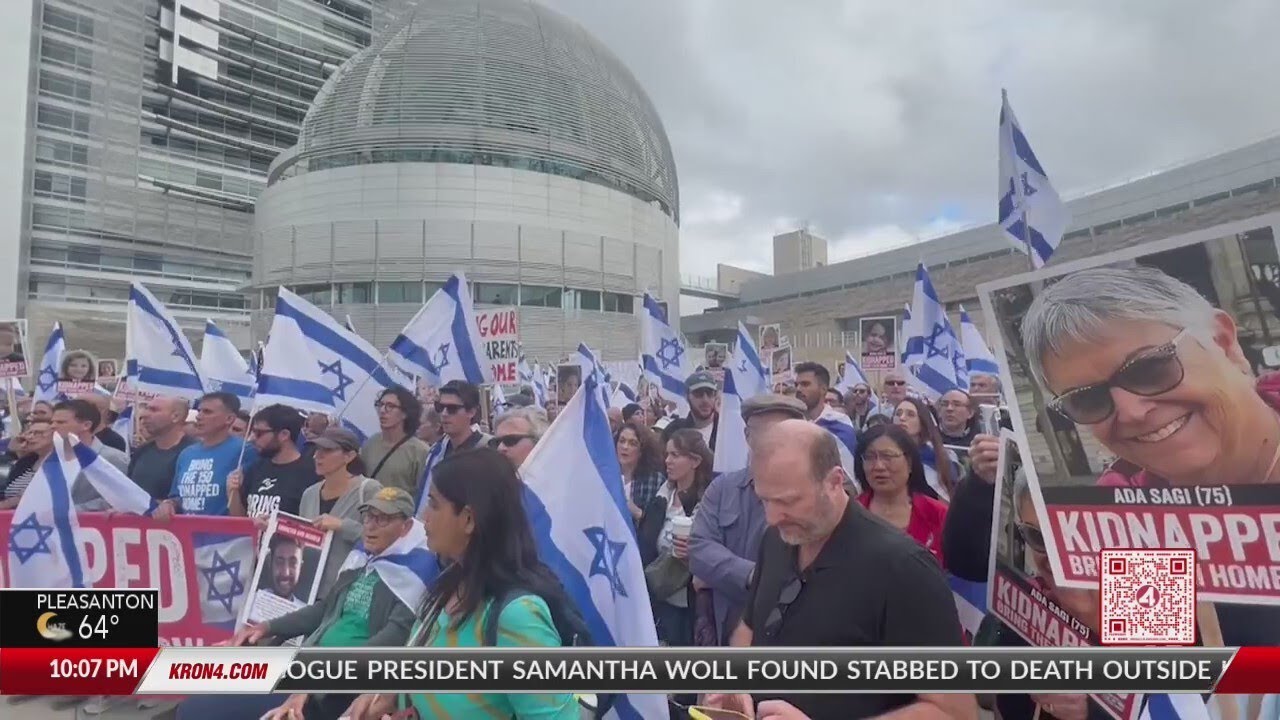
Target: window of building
<point>317,294</point>
<point>68,21</point>
<point>61,151</point>
<point>589,300</point>
<point>66,54</point>
<point>619,303</point>
<point>57,118</point>
<point>390,293</point>
<point>540,296</point>
<point>496,294</point>
<point>52,83</point>
<point>355,293</point>
<point>52,184</point>
<point>268,298</point>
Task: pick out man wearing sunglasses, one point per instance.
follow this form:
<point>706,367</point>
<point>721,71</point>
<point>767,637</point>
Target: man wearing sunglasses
<point>703,395</point>
<point>831,574</point>
<point>458,405</point>
<point>517,431</point>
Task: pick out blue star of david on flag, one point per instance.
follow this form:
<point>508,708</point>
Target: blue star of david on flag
<point>48,378</point>
<point>343,380</point>
<point>220,566</point>
<point>934,348</point>
<point>670,353</point>
<point>605,562</point>
<point>25,552</point>
<point>443,361</point>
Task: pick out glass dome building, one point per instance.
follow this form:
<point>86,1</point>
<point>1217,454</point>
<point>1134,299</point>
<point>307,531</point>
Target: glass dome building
<point>492,136</point>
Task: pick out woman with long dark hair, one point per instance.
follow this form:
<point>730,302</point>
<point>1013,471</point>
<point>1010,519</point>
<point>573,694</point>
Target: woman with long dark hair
<point>475,521</point>
<point>941,467</point>
<point>891,472</point>
<point>663,535</point>
<point>640,456</point>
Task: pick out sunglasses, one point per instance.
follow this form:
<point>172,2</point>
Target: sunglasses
<point>507,441</point>
<point>449,408</point>
<point>1032,536</point>
<point>789,593</point>
<point>895,383</point>
<point>1152,372</point>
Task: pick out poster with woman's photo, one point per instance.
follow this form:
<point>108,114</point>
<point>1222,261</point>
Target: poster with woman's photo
<point>770,339</point>
<point>1022,593</point>
<point>568,380</point>
<point>14,362</point>
<point>879,342</point>
<point>1150,414</point>
<point>108,371</point>
<point>287,578</point>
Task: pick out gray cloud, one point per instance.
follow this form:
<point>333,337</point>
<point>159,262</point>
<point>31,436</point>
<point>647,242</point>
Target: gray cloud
<point>876,122</point>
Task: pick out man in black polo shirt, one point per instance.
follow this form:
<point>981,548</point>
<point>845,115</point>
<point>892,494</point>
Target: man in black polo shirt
<point>832,574</point>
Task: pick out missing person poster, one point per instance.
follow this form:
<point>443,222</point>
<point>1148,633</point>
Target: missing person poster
<point>14,362</point>
<point>780,364</point>
<point>770,338</point>
<point>108,371</point>
<point>568,380</point>
<point>1022,591</point>
<point>715,355</point>
<point>290,561</point>
<point>879,342</point>
<point>1156,423</point>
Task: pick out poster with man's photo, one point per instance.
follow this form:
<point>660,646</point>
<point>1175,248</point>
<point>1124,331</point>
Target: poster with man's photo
<point>290,561</point>
<point>780,364</point>
<point>715,355</point>
<point>14,362</point>
<point>879,342</point>
<point>1022,593</point>
<point>1151,414</point>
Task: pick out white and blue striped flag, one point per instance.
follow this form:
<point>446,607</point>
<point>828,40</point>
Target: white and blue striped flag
<point>405,566</point>
<point>1031,213</point>
<point>589,363</point>
<point>981,360</point>
<point>46,549</point>
<point>349,366</point>
<point>937,345</point>
<point>971,602</point>
<point>663,354</point>
<point>50,366</point>
<point>958,359</point>
<point>290,374</point>
<point>531,375</point>
<point>622,396</point>
<point>442,343</point>
<point>585,534</point>
<point>853,377</point>
<point>731,453</point>
<point>841,426</point>
<point>749,375</point>
<point>161,359</point>
<point>1177,707</point>
<point>223,367</point>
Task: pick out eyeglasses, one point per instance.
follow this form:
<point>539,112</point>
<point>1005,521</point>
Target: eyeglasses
<point>259,432</point>
<point>789,593</point>
<point>386,406</point>
<point>508,440</point>
<point>871,458</point>
<point>895,383</point>
<point>377,519</point>
<point>1032,536</point>
<point>703,392</point>
<point>449,408</point>
<point>1152,372</point>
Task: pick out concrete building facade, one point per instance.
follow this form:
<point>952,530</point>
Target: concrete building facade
<point>797,251</point>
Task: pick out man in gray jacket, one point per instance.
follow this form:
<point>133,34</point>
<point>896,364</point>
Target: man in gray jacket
<point>730,520</point>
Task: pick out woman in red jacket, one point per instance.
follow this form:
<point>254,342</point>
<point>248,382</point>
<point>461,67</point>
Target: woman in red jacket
<point>889,467</point>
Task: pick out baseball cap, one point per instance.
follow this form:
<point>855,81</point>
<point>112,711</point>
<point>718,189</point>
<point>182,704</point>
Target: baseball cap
<point>338,438</point>
<point>700,380</point>
<point>391,501</point>
<point>772,402</point>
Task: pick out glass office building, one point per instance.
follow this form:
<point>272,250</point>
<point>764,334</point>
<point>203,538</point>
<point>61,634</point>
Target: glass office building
<point>150,128</point>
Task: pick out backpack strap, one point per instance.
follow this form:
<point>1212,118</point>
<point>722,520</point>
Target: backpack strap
<point>387,457</point>
<point>490,636</point>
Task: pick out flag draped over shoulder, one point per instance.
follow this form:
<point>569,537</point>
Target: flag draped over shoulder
<point>406,566</point>
<point>585,534</point>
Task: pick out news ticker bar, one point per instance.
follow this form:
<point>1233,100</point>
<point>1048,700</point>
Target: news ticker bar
<point>193,670</point>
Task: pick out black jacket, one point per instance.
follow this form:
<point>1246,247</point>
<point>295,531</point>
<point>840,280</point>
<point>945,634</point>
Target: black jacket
<point>686,422</point>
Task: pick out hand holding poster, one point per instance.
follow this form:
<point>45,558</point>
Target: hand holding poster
<point>1154,427</point>
<point>290,562</point>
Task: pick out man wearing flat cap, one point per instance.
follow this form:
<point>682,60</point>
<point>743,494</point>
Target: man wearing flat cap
<point>703,394</point>
<point>730,520</point>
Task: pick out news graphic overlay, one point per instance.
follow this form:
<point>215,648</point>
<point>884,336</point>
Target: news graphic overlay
<point>76,642</point>
<point>1154,418</point>
<point>1148,597</point>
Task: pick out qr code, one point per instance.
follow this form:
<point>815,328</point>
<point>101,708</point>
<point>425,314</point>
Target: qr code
<point>1148,597</point>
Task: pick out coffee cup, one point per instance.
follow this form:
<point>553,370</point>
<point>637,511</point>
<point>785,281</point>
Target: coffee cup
<point>681,526</point>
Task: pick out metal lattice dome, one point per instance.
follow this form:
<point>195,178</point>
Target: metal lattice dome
<point>490,82</point>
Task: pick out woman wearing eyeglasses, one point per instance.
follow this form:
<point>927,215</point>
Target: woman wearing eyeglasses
<point>889,467</point>
<point>941,468</point>
<point>476,522</point>
<point>640,456</point>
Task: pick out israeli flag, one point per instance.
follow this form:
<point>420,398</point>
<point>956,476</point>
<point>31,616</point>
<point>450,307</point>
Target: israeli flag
<point>749,375</point>
<point>622,396</point>
<point>223,367</point>
<point>1031,214</point>
<point>406,566</point>
<point>663,354</point>
<point>958,359</point>
<point>591,365</point>
<point>45,549</point>
<point>938,342</point>
<point>497,400</point>
<point>980,359</point>
<point>442,343</point>
<point>161,360</point>
<point>839,425</point>
<point>530,375</point>
<point>971,602</point>
<point>731,453</point>
<point>912,340</point>
<point>930,462</point>
<point>854,376</point>
<point>349,366</point>
<point>1177,707</point>
<point>123,426</point>
<point>50,366</point>
<point>290,374</point>
<point>224,571</point>
<point>585,534</point>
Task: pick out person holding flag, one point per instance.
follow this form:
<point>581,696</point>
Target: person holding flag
<point>860,401</point>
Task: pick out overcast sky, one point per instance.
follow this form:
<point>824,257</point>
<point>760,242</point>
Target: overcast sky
<point>875,121</point>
